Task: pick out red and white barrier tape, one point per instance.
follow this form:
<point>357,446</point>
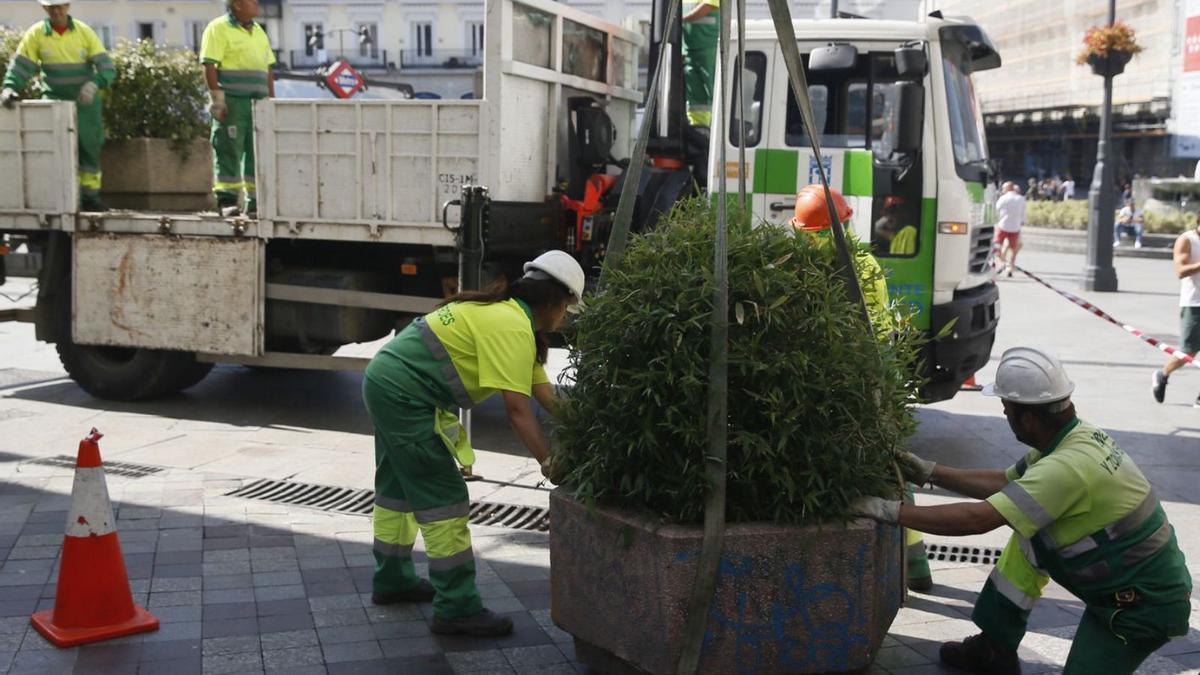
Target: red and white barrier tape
<point>1173,351</point>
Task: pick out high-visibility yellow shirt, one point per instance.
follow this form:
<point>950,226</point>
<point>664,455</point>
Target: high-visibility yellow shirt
<point>67,61</point>
<point>491,346</point>
<point>242,56</point>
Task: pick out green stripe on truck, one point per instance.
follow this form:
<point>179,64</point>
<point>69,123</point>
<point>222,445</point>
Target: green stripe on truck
<point>775,171</point>
<point>857,174</point>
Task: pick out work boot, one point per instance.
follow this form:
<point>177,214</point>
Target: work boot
<point>92,204</point>
<point>978,654</point>
<point>1159,382</point>
<point>920,584</point>
<point>422,592</point>
<point>1197,403</point>
<point>484,624</point>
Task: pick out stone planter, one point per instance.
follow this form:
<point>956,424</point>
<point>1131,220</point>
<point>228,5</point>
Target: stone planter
<point>1111,65</point>
<point>788,599</point>
<point>147,174</point>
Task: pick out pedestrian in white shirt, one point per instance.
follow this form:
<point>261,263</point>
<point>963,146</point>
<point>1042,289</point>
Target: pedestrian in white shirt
<point>1010,216</point>
<point>1129,221</point>
<point>1068,188</point>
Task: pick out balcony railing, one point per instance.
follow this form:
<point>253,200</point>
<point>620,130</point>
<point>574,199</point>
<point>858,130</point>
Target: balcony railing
<point>440,58</point>
<point>299,59</point>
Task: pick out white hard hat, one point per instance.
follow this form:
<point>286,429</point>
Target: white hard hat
<point>1032,377</point>
<point>560,266</point>
<point>52,3</point>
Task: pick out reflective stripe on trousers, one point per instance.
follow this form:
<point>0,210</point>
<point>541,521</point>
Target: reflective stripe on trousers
<point>1012,590</point>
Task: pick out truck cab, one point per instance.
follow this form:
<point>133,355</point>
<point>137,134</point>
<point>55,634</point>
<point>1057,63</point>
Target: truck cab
<point>902,138</point>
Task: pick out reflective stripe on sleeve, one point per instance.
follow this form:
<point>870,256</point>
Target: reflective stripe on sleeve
<point>1028,505</point>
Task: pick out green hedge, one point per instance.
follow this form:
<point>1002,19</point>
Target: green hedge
<point>1073,215</point>
<point>9,39</point>
<point>817,405</point>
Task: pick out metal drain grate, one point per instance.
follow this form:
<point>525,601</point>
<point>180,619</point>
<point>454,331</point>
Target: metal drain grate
<point>111,468</point>
<point>361,502</point>
<point>974,555</point>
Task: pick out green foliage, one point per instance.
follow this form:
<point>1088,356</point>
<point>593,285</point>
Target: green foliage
<point>1073,215</point>
<point>1065,215</point>
<point>817,405</point>
<point>9,39</point>
<point>159,93</point>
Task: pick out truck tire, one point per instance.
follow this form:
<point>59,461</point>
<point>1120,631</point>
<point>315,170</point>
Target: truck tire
<point>128,374</point>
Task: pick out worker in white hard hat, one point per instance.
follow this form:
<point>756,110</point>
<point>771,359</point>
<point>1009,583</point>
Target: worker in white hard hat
<point>74,66</point>
<point>475,345</point>
<point>1082,514</point>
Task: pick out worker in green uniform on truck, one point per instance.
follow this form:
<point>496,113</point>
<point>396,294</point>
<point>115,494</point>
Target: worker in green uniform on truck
<point>237,60</point>
<point>1082,514</point>
<point>701,32</point>
<point>473,346</point>
<point>811,214</point>
<point>74,67</point>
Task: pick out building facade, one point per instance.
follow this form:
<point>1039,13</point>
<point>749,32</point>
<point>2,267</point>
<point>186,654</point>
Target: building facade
<point>434,45</point>
<point>1042,110</point>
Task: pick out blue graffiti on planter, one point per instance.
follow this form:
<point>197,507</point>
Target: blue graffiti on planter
<point>811,625</point>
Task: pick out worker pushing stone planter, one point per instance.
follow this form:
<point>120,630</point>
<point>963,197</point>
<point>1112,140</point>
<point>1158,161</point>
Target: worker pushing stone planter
<point>818,405</point>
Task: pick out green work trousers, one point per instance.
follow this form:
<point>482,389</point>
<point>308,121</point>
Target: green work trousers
<point>1109,640</point>
<point>914,545</point>
<point>233,153</point>
<point>418,487</point>
<point>699,67</point>
<point>90,123</point>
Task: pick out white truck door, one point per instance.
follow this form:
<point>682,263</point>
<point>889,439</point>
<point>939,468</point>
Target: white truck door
<point>786,160</point>
<point>755,79</point>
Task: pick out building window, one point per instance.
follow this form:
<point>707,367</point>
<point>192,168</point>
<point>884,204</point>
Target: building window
<point>475,38</point>
<point>145,30</point>
<point>371,49</point>
<point>193,34</point>
<point>107,35</point>
<point>423,39</point>
<point>312,46</point>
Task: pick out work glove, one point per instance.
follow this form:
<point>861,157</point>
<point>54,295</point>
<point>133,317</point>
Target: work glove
<point>878,508</point>
<point>9,97</point>
<point>87,93</point>
<point>915,469</point>
<point>216,105</point>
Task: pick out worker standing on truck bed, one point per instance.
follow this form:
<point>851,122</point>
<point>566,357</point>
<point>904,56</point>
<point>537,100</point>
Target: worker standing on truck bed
<point>1082,514</point>
<point>812,215</point>
<point>701,31</point>
<point>74,66</point>
<point>476,344</point>
<point>237,60</point>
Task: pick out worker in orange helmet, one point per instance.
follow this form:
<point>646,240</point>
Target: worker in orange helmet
<point>812,216</point>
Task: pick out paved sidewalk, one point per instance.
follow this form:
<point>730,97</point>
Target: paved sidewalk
<point>243,586</point>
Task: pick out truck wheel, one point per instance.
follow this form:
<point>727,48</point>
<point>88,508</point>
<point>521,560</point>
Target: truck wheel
<point>128,374</point>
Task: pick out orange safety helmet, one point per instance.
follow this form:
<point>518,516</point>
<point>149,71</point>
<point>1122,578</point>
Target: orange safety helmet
<point>812,215</point>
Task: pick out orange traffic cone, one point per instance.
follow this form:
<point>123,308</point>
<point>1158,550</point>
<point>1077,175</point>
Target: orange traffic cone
<point>93,602</point>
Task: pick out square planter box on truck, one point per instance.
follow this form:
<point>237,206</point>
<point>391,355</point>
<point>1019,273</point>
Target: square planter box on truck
<point>353,236</point>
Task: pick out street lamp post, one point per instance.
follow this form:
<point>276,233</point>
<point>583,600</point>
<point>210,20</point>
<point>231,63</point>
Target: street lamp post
<point>1098,273</point>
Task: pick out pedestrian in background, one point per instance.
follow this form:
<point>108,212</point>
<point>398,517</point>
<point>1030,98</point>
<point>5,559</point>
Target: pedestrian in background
<point>74,67</point>
<point>1130,222</point>
<point>237,58</point>
<point>1068,188</point>
<point>1187,268</point>
<point>1010,216</point>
